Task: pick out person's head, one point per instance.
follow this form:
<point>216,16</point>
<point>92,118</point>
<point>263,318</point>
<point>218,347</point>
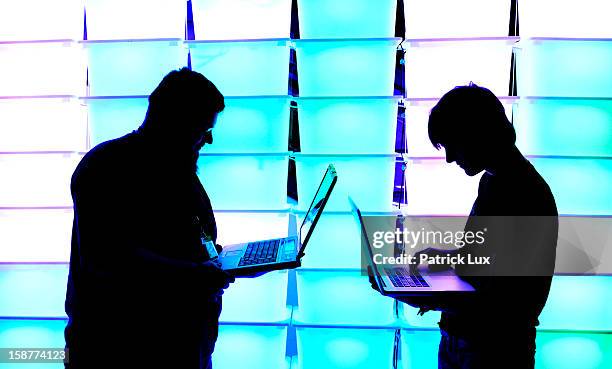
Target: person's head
<point>471,124</point>
<point>183,109</point>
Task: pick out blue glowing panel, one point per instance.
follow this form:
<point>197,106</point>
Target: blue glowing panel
<point>49,242</point>
<point>33,290</point>
<point>246,68</point>
<point>565,127</point>
<point>241,19</point>
<point>112,118</point>
<point>346,18</point>
<point>573,351</point>
<point>347,125</point>
<point>257,300</point>
<point>41,20</point>
<point>335,242</point>
<point>36,180</point>
<point>252,125</point>
<point>119,19</point>
<point>340,298</point>
<point>344,348</point>
<point>580,186</point>
<point>32,333</point>
<point>569,68</point>
<point>250,347</point>
<point>237,227</point>
<point>347,67</point>
<point>367,178</point>
<point>245,182</point>
<point>42,125</point>
<point>419,349</point>
<point>466,18</point>
<point>579,303</point>
<point>545,18</point>
<point>435,67</point>
<point>427,183</point>
<point>24,73</point>
<point>131,67</point>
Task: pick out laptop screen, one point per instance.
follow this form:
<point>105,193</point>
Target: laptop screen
<point>317,205</point>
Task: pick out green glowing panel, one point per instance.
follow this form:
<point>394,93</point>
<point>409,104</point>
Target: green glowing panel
<point>573,351</point>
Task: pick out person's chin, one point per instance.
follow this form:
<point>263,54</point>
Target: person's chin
<point>472,171</point>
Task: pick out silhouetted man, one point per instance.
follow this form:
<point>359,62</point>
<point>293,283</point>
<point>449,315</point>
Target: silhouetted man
<point>142,292</point>
<point>495,326</point>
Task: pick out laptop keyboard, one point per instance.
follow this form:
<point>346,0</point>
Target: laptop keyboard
<point>260,252</point>
<point>402,277</point>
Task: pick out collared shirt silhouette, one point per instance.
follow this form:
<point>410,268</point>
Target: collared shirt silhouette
<point>141,290</point>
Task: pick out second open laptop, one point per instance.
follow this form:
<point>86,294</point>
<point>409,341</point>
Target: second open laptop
<point>280,253</point>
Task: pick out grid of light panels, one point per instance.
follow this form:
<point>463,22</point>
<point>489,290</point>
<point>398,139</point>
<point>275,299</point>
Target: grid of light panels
<point>325,314</point>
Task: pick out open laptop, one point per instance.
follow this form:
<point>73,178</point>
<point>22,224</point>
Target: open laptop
<point>280,253</point>
<point>400,280</point>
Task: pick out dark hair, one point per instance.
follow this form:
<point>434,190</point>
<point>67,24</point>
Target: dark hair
<point>468,113</point>
<point>182,89</point>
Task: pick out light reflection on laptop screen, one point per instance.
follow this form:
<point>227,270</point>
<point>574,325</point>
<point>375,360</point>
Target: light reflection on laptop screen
<point>317,204</point>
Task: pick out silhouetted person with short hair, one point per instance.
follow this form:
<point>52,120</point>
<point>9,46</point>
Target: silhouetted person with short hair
<point>495,326</point>
<point>142,292</point>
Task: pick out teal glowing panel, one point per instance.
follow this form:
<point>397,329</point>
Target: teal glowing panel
<point>225,179</point>
<point>346,18</point>
<point>258,300</point>
<point>33,290</point>
<point>49,243</point>
<point>41,20</point>
<point>250,347</point>
<point>580,186</point>
<point>344,348</point>
<point>131,67</point>
<point>366,178</point>
<point>347,67</point>
<point>573,351</point>
<point>569,68</point>
<point>253,225</point>
<point>31,333</point>
<point>252,125</point>
<point>429,320</point>
<point>419,349</point>
<point>113,118</point>
<point>245,68</point>
<point>579,303</point>
<point>565,127</point>
<point>347,125</point>
<point>241,19</point>
<point>340,298</point>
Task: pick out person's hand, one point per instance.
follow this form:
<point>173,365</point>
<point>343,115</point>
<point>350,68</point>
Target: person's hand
<point>432,253</point>
<point>219,248</point>
<point>213,277</point>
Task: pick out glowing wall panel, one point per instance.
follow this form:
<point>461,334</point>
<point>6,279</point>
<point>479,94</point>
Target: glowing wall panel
<point>114,117</point>
<point>580,186</point>
<point>565,18</point>
<point>131,67</point>
<point>347,125</point>
<point>346,67</point>
<point>250,347</point>
<point>435,67</point>
<point>241,19</point>
<point>569,68</point>
<point>237,227</point>
<point>252,125</point>
<point>429,320</point>
<point>436,187</point>
<point>32,333</point>
<point>344,348</point>
<point>36,180</point>
<point>56,124</point>
<point>419,349</point>
<point>41,20</point>
<point>340,298</point>
<point>49,242</point>
<point>346,18</point>
<point>259,300</point>
<point>467,18</point>
<point>366,178</point>
<point>239,182</point>
<point>573,351</point>
<point>565,127</point>
<point>41,68</point>
<point>244,68</point>
<point>33,290</point>
<point>119,19</point>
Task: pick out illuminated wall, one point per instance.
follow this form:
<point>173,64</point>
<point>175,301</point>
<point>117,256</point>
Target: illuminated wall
<point>324,314</point>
